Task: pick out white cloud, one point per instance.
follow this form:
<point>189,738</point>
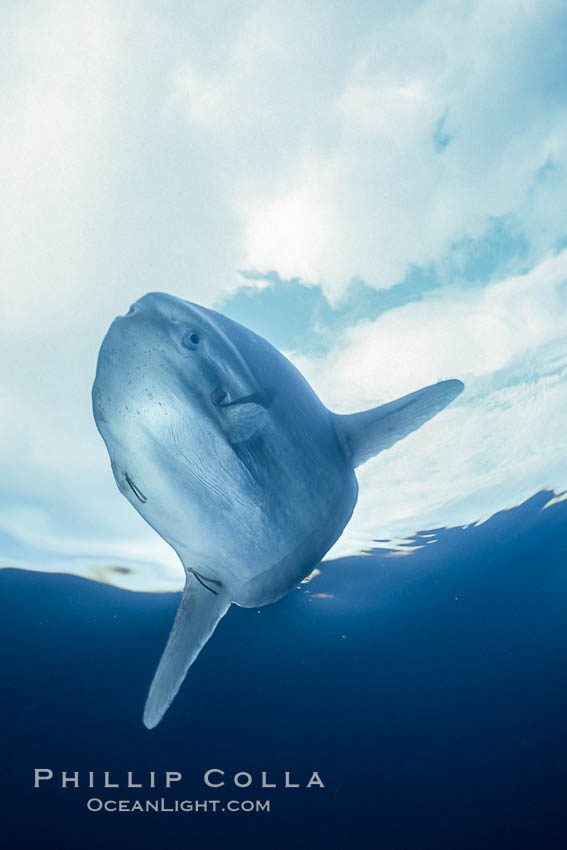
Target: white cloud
<point>453,332</point>
<point>284,229</point>
<point>168,146</point>
<point>378,194</point>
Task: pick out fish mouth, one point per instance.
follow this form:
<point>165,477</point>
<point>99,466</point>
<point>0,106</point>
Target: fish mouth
<point>263,397</point>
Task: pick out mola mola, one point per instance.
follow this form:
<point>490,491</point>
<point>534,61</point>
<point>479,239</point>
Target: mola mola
<point>223,447</point>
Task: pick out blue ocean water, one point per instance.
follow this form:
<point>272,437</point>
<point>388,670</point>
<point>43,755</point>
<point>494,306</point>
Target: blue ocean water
<point>428,691</point>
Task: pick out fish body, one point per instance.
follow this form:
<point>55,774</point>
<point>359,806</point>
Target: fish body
<point>220,443</point>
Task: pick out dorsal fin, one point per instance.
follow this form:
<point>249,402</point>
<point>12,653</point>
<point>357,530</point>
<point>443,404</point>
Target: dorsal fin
<point>367,433</point>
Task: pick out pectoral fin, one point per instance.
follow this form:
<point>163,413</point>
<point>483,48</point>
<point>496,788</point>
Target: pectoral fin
<point>199,612</point>
<point>243,420</point>
<point>365,434</point>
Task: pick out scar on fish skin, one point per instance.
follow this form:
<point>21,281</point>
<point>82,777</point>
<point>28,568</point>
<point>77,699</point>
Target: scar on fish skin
<point>206,586</point>
<point>135,490</point>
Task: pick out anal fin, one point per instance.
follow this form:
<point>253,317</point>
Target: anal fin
<point>197,616</point>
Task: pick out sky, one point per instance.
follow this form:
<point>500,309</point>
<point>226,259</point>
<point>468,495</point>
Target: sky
<point>379,189</point>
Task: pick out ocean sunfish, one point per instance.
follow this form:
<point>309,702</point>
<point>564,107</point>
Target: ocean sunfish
<point>223,447</point>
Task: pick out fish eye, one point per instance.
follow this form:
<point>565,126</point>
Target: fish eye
<point>191,339</point>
